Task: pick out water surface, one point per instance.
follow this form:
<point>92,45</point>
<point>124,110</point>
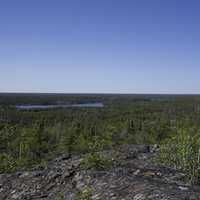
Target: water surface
<point>43,107</point>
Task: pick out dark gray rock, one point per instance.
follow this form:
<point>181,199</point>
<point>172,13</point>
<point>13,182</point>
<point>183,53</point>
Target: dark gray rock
<point>133,177</point>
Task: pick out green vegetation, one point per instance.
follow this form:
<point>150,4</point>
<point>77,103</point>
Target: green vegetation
<point>182,151</point>
<point>96,161</point>
<point>60,196</point>
<point>29,139</point>
<point>86,194</point>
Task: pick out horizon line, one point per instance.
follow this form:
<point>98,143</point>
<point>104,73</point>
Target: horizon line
<point>98,93</point>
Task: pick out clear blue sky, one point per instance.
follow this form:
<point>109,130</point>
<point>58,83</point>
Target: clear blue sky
<point>101,46</point>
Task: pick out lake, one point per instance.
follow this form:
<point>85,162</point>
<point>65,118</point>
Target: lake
<point>44,107</point>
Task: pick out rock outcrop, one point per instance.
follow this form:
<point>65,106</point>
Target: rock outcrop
<point>134,176</point>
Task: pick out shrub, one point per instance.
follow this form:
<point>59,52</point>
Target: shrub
<point>182,151</point>
<point>60,196</point>
<point>96,161</point>
<point>84,195</point>
<point>7,163</point>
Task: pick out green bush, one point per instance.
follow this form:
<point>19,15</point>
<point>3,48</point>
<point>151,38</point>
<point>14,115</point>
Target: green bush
<point>7,163</point>
<point>96,161</point>
<point>84,195</point>
<point>60,196</point>
<point>182,151</point>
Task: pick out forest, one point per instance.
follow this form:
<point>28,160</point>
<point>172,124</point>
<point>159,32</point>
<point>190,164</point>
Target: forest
<point>31,138</point>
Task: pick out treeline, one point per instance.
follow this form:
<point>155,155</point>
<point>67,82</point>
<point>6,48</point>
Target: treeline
<point>29,139</point>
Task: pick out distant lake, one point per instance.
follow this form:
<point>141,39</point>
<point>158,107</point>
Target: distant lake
<point>44,107</point>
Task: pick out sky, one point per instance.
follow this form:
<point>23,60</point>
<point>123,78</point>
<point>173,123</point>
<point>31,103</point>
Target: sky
<point>100,46</point>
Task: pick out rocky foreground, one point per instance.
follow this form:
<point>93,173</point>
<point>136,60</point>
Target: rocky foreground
<point>133,176</point>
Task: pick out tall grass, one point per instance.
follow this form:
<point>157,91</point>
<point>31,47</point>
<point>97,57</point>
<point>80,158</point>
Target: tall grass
<point>182,151</point>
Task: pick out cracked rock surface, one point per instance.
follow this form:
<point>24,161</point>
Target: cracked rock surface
<point>134,176</point>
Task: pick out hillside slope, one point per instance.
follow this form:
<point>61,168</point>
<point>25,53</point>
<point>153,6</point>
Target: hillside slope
<point>134,176</point>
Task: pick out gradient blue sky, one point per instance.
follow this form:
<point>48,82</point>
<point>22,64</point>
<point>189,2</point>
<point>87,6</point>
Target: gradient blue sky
<point>101,46</point>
